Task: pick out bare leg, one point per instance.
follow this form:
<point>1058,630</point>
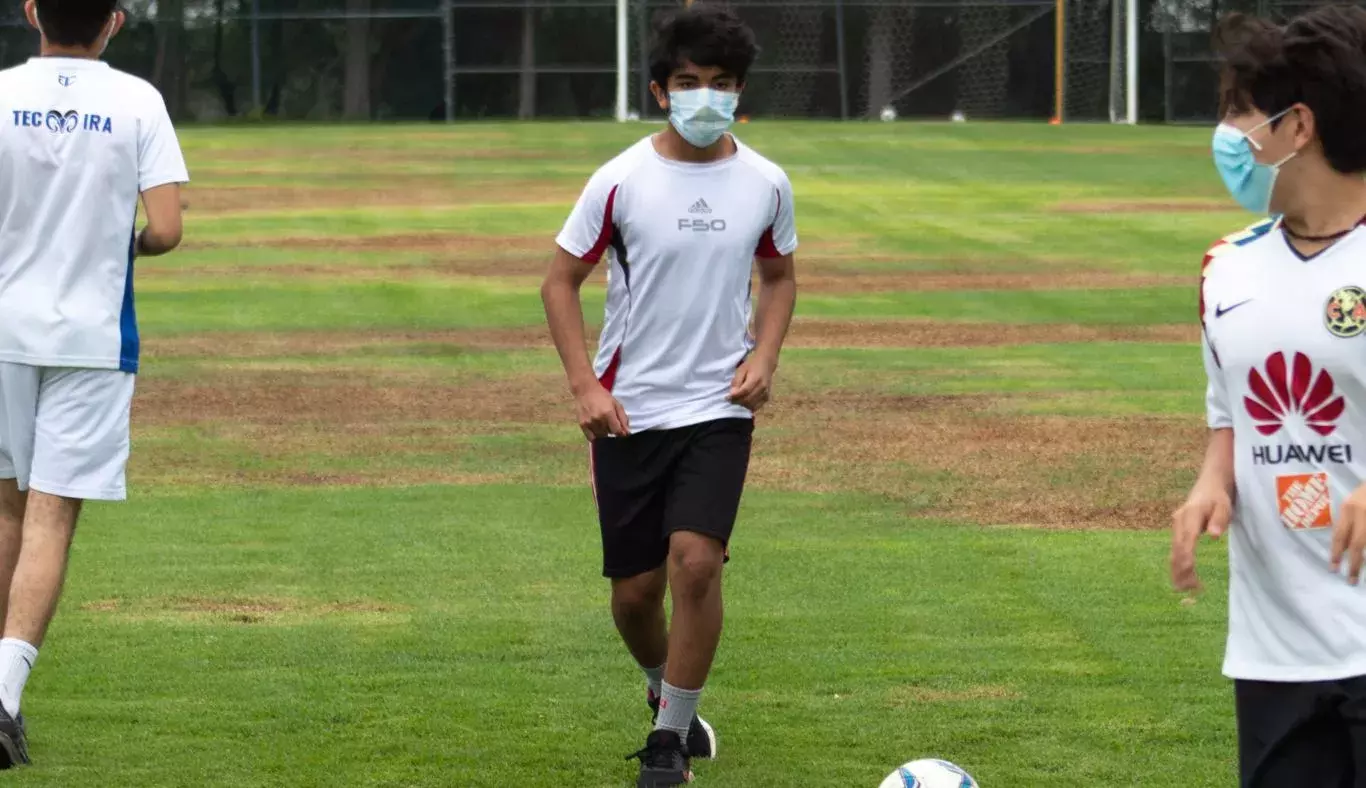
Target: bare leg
<point>48,527</point>
<point>12,505</point>
<point>695,564</point>
<point>638,610</point>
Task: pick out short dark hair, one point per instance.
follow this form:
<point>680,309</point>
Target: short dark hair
<point>1317,59</point>
<point>706,34</point>
<point>74,23</point>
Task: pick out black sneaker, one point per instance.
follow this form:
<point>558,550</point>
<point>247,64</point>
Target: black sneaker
<point>13,742</point>
<point>663,762</point>
<point>701,741</point>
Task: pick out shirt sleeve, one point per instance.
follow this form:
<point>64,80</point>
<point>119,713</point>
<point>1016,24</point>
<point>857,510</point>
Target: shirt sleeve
<point>1217,412</point>
<point>160,160</point>
<point>589,230</point>
<point>780,239</point>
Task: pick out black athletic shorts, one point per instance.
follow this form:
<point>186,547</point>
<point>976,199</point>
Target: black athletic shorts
<point>650,484</point>
<point>1310,734</point>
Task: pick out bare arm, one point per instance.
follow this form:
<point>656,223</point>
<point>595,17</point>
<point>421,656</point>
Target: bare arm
<point>164,224</point>
<point>777,299</point>
<point>753,382</point>
<point>1217,471</point>
<point>599,413</point>
<point>1208,509</point>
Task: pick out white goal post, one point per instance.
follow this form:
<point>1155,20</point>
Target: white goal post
<point>1123,54</point>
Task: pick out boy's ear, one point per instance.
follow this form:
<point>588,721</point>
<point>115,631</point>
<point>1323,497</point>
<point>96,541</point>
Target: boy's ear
<point>31,13</point>
<point>120,19</point>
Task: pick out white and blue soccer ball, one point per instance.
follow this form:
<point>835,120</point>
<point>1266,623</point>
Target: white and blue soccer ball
<point>888,114</point>
<point>929,773</point>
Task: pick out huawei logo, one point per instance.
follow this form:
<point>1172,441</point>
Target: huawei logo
<point>1296,390</point>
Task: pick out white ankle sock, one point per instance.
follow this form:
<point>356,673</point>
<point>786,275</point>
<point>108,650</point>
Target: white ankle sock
<point>676,709</point>
<point>16,661</point>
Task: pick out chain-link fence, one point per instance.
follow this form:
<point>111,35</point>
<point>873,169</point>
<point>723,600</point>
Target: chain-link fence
<point>434,59</point>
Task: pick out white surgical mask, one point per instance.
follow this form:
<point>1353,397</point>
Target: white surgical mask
<point>702,115</point>
<point>1248,180</point>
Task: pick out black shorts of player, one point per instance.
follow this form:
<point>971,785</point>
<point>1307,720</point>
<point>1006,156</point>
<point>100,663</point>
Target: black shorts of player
<point>1310,734</point>
<point>650,484</point>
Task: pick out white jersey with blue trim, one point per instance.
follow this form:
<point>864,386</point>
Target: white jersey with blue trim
<point>79,141</point>
<point>1285,355</point>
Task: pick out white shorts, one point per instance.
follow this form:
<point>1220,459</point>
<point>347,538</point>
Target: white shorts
<point>65,431</point>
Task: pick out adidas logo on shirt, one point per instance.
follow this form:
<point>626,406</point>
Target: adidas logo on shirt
<point>700,207</point>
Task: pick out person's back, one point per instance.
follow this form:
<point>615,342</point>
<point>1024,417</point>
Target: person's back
<point>79,141</point>
<point>79,144</point>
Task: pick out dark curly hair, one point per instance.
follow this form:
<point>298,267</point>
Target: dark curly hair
<point>74,23</point>
<point>1317,59</point>
<point>707,35</point>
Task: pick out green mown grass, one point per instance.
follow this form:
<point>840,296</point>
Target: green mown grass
<point>216,633</point>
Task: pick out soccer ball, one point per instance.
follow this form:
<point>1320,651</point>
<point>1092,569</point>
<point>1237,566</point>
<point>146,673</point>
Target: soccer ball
<point>929,773</point>
<point>958,116</point>
<point>888,113</point>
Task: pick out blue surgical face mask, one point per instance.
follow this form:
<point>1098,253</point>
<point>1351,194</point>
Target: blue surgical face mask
<point>702,115</point>
<point>1248,180</point>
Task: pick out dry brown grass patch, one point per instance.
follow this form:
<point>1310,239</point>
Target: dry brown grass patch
<point>340,399</point>
<point>911,695</point>
<point>939,281</point>
<point>304,344</point>
<point>260,344</point>
<point>462,246</point>
<point>395,191</point>
<point>1141,206</point>
<point>920,334</point>
<point>806,333</point>
<point>243,610</point>
<point>961,459</point>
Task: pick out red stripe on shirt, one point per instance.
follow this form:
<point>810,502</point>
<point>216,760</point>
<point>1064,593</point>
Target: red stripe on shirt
<point>609,378</point>
<point>595,252</point>
<point>1203,267</point>
<point>767,248</point>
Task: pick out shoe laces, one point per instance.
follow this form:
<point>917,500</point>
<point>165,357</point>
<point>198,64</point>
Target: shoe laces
<point>656,755</point>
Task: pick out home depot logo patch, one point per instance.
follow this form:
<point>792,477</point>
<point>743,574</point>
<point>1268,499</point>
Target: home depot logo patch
<point>1304,500</point>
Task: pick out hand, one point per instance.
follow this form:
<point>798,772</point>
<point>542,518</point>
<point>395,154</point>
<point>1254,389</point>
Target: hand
<point>1208,510</point>
<point>1349,535</point>
<point>600,414</point>
<point>753,383</point>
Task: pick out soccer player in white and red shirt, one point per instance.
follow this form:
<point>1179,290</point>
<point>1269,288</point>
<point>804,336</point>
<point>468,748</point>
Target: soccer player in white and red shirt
<point>79,142</point>
<point>1283,306</point>
<point>679,220</point>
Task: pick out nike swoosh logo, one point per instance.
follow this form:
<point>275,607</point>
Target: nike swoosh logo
<point>1220,311</point>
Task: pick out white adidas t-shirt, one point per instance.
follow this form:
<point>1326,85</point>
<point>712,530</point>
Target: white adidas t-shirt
<point>1285,352</point>
<point>681,239</point>
<point>79,141</point>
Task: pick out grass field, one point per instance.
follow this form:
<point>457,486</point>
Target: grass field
<point>361,550</point>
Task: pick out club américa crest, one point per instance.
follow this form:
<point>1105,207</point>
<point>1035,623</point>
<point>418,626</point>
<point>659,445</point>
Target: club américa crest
<point>1345,312</point>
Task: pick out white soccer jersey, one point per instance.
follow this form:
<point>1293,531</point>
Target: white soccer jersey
<point>682,239</point>
<point>1285,353</point>
<point>79,141</point>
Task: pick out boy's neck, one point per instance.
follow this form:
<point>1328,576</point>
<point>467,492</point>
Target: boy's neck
<point>1336,203</point>
<point>76,53</point>
<point>671,145</point>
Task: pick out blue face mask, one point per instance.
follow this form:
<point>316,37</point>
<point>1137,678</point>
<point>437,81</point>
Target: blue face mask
<point>1248,180</point>
<point>702,115</point>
